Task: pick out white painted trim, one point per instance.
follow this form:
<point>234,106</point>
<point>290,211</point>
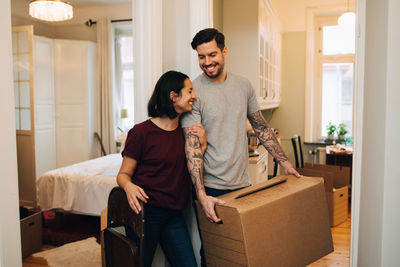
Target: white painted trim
<point>358,107</point>
<point>10,235</point>
<point>319,60</point>
<point>311,13</point>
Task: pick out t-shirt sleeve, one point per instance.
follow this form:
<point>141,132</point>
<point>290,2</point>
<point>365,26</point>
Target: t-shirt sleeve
<point>188,119</point>
<point>134,144</point>
<point>252,104</point>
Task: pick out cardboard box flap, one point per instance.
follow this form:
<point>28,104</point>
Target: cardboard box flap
<point>263,193</point>
<point>327,176</point>
<point>341,174</point>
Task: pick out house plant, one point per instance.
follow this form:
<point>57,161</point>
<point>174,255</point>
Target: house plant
<point>341,131</point>
<point>331,129</point>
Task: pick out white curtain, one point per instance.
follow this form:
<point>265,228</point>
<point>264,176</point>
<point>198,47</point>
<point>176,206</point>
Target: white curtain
<point>147,52</point>
<point>105,83</point>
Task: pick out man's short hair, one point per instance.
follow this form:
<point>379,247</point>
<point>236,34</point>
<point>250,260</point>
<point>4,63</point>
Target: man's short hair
<point>160,103</point>
<point>207,35</point>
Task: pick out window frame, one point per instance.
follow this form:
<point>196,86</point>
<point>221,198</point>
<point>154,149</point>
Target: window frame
<point>319,60</point>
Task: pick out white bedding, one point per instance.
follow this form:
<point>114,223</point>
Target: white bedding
<point>80,188</point>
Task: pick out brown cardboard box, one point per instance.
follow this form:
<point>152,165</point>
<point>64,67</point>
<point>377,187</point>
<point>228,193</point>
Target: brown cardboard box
<point>338,204</point>
<point>103,219</point>
<point>286,224</point>
<point>31,234</point>
<point>337,179</point>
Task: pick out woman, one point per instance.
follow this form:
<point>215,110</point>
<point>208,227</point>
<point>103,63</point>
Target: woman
<point>154,169</point>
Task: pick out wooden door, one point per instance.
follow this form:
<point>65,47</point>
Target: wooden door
<point>22,41</point>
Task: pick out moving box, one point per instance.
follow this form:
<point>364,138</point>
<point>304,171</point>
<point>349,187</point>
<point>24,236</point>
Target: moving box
<point>280,222</point>
<point>337,179</point>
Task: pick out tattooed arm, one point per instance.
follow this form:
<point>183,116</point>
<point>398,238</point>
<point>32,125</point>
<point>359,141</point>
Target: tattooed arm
<point>194,159</point>
<point>270,142</point>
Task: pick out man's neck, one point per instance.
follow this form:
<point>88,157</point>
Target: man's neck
<point>219,79</point>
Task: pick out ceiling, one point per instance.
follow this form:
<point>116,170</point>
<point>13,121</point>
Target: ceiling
<point>80,3</point>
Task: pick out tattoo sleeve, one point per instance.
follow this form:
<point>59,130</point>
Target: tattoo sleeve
<point>266,136</point>
<point>194,159</point>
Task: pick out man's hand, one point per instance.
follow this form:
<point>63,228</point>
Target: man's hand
<point>208,205</point>
<point>287,166</point>
<point>134,193</point>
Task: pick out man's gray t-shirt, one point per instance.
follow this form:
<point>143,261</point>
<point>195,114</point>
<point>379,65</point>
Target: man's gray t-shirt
<point>222,108</point>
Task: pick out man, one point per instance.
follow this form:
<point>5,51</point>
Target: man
<point>224,101</point>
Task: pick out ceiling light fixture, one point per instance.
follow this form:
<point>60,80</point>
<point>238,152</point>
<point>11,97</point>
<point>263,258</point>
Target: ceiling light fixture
<point>50,10</point>
<point>347,19</point>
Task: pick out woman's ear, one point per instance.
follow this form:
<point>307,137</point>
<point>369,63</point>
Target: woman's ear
<point>173,96</point>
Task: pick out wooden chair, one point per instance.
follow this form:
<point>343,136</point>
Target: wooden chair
<point>118,249</point>
<point>296,142</point>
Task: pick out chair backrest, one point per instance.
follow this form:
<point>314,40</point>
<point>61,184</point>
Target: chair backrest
<point>119,213</point>
<point>298,152</point>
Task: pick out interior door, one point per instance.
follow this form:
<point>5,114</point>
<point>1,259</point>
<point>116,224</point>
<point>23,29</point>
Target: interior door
<point>22,47</point>
<point>71,101</point>
<point>45,126</point>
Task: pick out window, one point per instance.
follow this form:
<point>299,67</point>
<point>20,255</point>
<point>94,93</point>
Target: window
<point>123,89</point>
<point>333,75</point>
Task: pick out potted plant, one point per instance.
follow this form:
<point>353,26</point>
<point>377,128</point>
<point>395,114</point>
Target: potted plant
<point>341,131</point>
<point>331,130</point>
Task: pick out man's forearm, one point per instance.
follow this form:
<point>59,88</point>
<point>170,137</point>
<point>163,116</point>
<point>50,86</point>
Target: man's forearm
<point>267,136</point>
<point>194,159</point>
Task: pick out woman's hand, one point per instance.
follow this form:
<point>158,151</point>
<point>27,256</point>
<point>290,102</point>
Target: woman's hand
<point>135,193</point>
<point>199,131</point>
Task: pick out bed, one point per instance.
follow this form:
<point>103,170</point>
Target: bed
<point>82,188</point>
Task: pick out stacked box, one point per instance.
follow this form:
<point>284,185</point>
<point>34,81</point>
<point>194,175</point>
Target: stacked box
<point>280,222</point>
<point>31,234</point>
<point>336,180</point>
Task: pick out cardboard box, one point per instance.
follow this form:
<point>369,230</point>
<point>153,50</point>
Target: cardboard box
<point>31,234</point>
<point>103,219</point>
<point>336,179</point>
<point>274,223</point>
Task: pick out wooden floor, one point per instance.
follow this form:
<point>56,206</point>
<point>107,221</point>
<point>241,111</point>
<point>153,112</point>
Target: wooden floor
<point>340,257</point>
<point>341,243</point>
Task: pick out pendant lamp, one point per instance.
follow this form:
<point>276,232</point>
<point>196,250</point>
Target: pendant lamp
<point>347,19</point>
<point>50,10</point>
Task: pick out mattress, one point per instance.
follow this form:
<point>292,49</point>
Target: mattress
<point>82,188</point>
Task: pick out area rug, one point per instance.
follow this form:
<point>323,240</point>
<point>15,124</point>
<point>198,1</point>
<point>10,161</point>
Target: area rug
<point>84,253</point>
<point>70,228</point>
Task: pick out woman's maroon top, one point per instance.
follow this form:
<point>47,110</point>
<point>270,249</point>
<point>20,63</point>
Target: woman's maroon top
<point>161,164</point>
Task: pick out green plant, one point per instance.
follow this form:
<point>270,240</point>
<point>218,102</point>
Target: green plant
<point>331,128</point>
<point>341,130</point>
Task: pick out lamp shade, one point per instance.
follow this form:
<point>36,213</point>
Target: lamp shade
<point>50,10</point>
<point>124,113</point>
<point>347,19</point>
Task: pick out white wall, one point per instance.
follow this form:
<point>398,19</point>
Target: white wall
<point>391,211</point>
<point>10,251</point>
<point>379,213</point>
<point>292,14</point>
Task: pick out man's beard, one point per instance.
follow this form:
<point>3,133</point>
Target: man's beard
<point>213,76</point>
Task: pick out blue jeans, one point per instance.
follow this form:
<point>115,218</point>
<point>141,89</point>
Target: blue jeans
<point>168,228</point>
<point>210,192</point>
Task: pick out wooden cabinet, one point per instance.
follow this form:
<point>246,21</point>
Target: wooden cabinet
<point>253,38</point>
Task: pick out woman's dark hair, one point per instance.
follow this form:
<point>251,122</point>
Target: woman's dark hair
<point>160,103</point>
<point>207,35</point>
